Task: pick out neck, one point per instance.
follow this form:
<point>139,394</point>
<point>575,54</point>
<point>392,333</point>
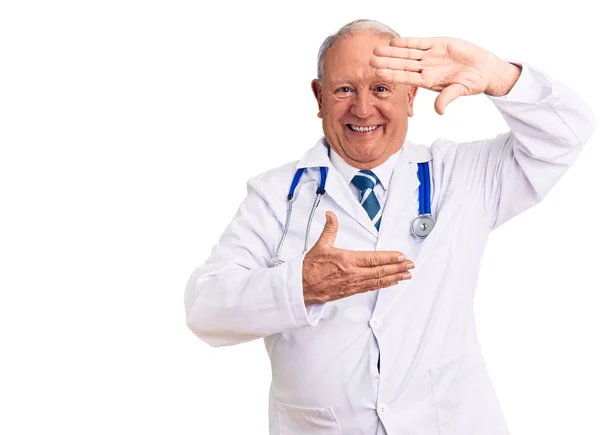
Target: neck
<point>373,163</point>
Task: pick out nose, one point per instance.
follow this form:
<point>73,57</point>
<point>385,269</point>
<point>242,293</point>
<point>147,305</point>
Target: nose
<point>362,106</point>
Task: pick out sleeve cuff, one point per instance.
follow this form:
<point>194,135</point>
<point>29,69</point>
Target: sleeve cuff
<point>305,316</point>
<point>532,86</point>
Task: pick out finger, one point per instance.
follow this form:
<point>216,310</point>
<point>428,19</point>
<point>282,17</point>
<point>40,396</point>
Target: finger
<point>402,77</point>
<point>330,230</point>
<point>377,283</point>
<point>399,52</point>
<point>418,43</point>
<point>384,270</point>
<point>375,258</point>
<point>370,289</point>
<point>449,94</point>
<point>396,64</point>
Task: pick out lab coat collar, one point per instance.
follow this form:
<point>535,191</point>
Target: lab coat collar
<point>318,155</point>
<point>416,153</point>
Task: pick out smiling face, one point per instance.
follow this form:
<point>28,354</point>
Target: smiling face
<point>364,118</point>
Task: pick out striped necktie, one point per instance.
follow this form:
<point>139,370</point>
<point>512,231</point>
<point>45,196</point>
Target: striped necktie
<point>365,181</point>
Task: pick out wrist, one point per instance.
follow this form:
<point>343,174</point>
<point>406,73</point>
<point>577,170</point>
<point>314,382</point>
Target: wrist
<point>503,77</point>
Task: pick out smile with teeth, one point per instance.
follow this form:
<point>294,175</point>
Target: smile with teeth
<point>362,129</point>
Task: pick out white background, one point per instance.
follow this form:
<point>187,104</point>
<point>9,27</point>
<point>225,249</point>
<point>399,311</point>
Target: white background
<point>128,130</point>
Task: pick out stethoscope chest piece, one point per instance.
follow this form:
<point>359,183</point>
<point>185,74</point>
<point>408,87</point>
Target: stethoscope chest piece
<point>422,225</point>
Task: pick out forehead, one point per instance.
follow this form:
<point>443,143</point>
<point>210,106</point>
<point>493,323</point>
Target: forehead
<point>348,58</point>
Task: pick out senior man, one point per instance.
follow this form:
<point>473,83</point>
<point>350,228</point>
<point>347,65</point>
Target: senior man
<point>372,330</point>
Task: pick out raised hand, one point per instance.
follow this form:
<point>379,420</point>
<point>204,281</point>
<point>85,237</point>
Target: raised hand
<point>451,66</point>
<point>330,273</point>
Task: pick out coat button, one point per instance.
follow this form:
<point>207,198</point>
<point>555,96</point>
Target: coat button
<point>381,409</point>
<point>374,323</point>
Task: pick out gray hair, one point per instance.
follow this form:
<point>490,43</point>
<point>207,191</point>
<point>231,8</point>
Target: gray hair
<point>349,29</point>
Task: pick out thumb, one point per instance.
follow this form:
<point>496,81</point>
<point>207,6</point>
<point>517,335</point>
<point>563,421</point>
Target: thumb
<point>448,95</point>
<point>329,230</point>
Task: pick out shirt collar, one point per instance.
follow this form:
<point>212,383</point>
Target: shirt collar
<point>383,171</point>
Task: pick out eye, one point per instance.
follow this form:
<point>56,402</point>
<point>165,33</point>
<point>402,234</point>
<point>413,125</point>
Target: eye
<point>343,90</point>
<point>380,88</point>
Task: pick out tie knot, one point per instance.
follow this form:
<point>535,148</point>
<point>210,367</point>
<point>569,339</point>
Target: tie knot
<point>365,179</point>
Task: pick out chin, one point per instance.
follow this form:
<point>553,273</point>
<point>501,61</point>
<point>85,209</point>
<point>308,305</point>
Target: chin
<point>364,157</point>
<point>366,150</point>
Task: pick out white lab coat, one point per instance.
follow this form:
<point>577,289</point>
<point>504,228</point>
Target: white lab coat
<point>433,378</point>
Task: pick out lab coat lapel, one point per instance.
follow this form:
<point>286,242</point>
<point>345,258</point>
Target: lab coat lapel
<point>336,187</point>
<point>401,207</point>
<point>401,194</point>
<point>339,190</point>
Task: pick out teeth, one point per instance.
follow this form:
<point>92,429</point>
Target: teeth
<point>362,129</point>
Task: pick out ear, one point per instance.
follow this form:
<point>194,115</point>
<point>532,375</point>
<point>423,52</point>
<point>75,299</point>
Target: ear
<point>411,93</point>
<point>316,88</point>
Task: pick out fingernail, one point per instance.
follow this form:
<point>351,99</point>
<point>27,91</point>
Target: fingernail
<point>407,275</point>
<point>401,258</point>
<point>410,266</point>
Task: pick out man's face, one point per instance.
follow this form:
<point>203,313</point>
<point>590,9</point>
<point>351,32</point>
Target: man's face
<point>364,118</point>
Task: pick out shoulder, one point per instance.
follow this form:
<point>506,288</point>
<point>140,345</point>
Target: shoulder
<point>450,151</point>
<point>439,151</point>
<point>275,181</point>
<point>443,147</point>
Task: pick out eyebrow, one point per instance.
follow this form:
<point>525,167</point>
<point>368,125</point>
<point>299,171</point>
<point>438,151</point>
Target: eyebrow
<point>344,80</point>
<point>339,81</point>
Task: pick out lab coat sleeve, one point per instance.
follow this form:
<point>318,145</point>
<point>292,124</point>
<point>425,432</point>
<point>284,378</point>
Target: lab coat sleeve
<point>549,124</point>
<point>236,296</point>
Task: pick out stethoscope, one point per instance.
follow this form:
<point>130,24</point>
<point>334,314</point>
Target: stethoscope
<point>421,225</point>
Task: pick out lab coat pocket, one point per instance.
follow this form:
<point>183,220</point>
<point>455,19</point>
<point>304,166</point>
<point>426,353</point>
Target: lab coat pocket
<point>295,420</point>
<point>464,397</point>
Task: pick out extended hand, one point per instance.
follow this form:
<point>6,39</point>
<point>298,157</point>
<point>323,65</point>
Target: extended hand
<point>330,273</point>
<point>451,66</point>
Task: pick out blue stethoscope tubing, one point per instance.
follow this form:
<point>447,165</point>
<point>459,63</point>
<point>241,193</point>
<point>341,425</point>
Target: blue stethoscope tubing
<point>421,225</point>
<point>424,223</point>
